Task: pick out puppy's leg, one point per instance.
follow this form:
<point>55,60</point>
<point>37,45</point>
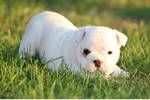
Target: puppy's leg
<point>54,64</point>
<point>27,45</point>
<point>29,42</point>
<point>31,39</point>
<point>26,49</point>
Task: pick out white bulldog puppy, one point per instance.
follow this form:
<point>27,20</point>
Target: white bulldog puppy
<point>92,48</point>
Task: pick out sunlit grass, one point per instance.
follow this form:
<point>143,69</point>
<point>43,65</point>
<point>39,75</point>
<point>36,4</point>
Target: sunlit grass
<point>29,78</point>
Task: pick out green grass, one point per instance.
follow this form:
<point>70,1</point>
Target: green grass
<point>29,78</point>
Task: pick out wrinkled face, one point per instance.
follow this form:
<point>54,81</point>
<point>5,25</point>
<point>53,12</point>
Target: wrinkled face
<point>99,48</point>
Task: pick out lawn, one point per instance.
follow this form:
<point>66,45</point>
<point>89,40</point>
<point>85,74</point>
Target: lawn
<point>29,78</point>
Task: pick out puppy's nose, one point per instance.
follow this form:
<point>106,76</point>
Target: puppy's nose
<point>97,63</point>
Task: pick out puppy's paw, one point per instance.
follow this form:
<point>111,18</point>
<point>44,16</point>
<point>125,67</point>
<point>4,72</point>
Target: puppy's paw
<point>117,73</point>
<point>124,74</point>
<point>108,77</point>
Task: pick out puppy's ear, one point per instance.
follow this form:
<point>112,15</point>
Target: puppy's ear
<point>121,38</point>
<point>80,34</point>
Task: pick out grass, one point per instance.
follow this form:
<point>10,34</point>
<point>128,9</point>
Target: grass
<point>29,78</point>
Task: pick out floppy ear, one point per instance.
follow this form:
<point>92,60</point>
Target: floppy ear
<point>121,38</point>
<point>80,34</point>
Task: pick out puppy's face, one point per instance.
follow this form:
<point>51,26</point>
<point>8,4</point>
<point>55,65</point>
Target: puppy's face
<point>99,48</point>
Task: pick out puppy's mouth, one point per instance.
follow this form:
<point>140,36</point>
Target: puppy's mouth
<point>106,75</point>
<point>102,68</point>
<point>94,68</point>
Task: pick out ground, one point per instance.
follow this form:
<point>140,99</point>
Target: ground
<point>29,78</point>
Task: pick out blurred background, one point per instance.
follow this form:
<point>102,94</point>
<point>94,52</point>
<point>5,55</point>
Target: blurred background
<point>124,14</point>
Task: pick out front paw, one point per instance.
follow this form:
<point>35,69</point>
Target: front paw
<point>117,73</point>
<point>124,74</point>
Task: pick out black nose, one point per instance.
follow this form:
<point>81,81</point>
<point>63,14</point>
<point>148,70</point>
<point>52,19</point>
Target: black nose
<point>97,63</point>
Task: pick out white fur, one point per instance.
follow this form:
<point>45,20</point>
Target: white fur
<point>52,36</point>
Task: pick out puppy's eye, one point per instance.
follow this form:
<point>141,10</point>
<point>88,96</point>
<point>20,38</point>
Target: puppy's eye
<point>109,52</point>
<point>86,51</point>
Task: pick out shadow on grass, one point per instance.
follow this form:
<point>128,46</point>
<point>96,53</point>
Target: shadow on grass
<point>85,6</point>
<point>136,13</point>
<point>98,6</point>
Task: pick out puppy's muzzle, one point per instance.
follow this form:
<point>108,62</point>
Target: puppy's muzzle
<point>97,63</point>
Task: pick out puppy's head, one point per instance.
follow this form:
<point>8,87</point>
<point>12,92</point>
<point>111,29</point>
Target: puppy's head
<point>99,47</point>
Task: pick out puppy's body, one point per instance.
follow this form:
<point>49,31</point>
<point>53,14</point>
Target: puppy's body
<point>45,35</point>
<point>52,36</point>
